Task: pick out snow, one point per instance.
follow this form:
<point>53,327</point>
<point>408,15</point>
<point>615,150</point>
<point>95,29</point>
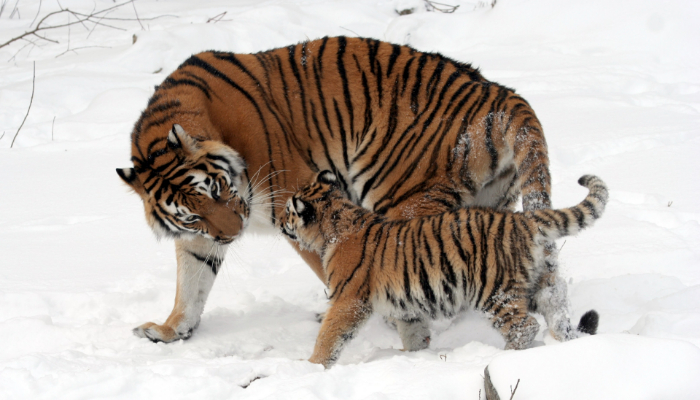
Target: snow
<point>600,359</point>
<point>615,84</point>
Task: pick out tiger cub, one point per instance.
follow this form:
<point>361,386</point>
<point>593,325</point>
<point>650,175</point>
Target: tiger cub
<point>432,266</point>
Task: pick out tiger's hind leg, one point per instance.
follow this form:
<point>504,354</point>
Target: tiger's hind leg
<point>512,320</point>
<point>198,262</point>
<point>552,302</point>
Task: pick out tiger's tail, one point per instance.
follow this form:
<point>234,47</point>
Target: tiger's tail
<point>555,224</point>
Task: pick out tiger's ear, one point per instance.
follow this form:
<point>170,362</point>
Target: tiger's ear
<point>181,141</point>
<point>129,176</point>
<point>327,177</point>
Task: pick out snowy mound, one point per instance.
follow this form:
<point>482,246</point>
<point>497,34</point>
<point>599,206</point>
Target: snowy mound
<point>614,367</point>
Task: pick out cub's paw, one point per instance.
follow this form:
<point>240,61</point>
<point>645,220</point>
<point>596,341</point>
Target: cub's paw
<point>320,316</point>
<point>415,334</point>
<point>161,333</point>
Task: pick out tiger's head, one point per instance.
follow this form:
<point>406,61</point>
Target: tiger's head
<point>190,187</point>
<point>305,211</point>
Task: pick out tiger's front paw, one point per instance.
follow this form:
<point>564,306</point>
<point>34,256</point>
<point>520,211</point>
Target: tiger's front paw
<point>161,333</point>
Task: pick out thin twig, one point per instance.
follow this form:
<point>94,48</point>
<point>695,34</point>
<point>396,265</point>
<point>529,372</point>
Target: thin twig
<point>512,391</point>
<point>356,34</point>
<point>37,14</point>
<point>28,108</point>
<point>137,15</point>
<point>3,132</point>
<point>22,48</point>
<point>441,7</point>
<point>52,123</point>
<point>217,17</point>
<point>81,47</point>
<point>45,38</point>
<point>95,27</point>
<point>16,10</point>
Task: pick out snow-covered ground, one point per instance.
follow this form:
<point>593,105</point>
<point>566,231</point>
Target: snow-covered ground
<point>616,85</point>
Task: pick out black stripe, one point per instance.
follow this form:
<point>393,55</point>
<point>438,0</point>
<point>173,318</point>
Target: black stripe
<point>213,262</point>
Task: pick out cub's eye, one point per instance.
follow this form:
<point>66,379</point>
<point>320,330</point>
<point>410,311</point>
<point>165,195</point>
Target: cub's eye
<point>190,218</point>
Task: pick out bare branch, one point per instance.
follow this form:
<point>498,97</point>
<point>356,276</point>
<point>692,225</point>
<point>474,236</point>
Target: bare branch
<point>217,17</point>
<point>22,48</point>
<point>95,17</point>
<point>37,14</point>
<point>16,10</point>
<point>97,24</point>
<point>28,108</point>
<point>45,38</point>
<point>512,391</point>
<point>443,8</point>
<point>82,47</point>
<point>356,34</point>
<point>137,16</point>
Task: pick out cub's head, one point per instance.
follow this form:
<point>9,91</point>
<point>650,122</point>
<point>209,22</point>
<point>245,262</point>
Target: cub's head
<point>190,187</point>
<point>305,211</point>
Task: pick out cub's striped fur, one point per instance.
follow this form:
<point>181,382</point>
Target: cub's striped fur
<point>407,134</point>
<point>431,266</point>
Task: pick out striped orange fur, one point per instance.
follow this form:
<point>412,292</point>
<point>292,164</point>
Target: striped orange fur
<point>433,266</point>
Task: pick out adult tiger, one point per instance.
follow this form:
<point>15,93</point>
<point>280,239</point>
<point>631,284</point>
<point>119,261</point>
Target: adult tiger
<point>389,121</point>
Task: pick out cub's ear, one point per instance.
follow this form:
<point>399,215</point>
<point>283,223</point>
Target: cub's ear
<point>179,140</point>
<point>129,176</point>
<point>327,177</point>
<point>299,206</point>
<point>305,211</point>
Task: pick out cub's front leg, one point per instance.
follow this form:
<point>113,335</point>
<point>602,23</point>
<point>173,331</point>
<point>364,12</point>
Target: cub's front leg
<point>198,262</point>
<point>340,325</point>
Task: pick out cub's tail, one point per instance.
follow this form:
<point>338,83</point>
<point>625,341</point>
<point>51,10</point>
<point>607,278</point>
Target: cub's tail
<point>555,224</point>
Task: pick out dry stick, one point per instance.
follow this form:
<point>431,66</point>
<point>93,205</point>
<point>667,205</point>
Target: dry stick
<point>99,20</point>
<point>19,16</point>
<point>217,17</point>
<point>447,8</point>
<point>3,132</point>
<point>356,34</point>
<point>28,108</point>
<point>512,391</point>
<point>81,47</point>
<point>137,15</point>
<point>37,14</point>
